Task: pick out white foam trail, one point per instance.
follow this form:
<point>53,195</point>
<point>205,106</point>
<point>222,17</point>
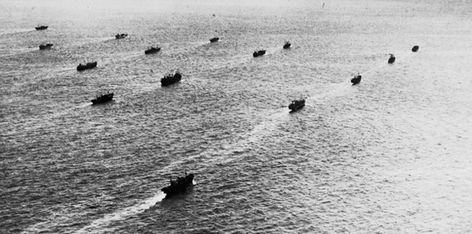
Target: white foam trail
<point>20,51</point>
<point>67,69</point>
<point>91,41</point>
<point>122,214</point>
<point>68,110</point>
<point>16,30</point>
<point>147,87</point>
<point>82,105</point>
<point>335,90</point>
<point>126,56</point>
<point>265,127</point>
<point>34,123</point>
<point>273,50</point>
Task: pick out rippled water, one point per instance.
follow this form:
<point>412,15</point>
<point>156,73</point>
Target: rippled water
<point>391,155</point>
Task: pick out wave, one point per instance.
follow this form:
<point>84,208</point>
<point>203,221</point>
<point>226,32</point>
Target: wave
<point>9,32</point>
<point>97,225</point>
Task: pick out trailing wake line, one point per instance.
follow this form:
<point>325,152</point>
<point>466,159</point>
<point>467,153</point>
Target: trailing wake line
<point>123,213</point>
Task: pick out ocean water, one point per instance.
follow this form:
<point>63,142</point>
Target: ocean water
<point>391,155</point>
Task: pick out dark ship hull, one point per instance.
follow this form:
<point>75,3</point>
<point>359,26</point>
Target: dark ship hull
<point>287,45</point>
<point>258,53</point>
<point>41,28</point>
<point>171,79</point>
<point>82,67</point>
<point>121,36</point>
<point>45,47</point>
<point>181,185</point>
<point>415,48</point>
<point>391,59</point>
<point>296,105</point>
<point>356,79</point>
<point>214,39</point>
<point>103,99</point>
<point>152,50</point>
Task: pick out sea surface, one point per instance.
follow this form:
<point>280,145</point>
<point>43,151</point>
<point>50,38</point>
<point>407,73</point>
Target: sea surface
<point>390,155</point>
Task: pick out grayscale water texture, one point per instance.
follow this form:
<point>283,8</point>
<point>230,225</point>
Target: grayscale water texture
<point>391,155</point>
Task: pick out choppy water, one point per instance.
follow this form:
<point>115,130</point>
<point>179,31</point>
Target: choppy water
<point>392,155</point>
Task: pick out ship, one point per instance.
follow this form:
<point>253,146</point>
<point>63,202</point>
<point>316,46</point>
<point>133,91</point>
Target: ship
<point>356,79</point>
<point>178,186</point>
<point>102,98</point>
<point>41,27</point>
<point>391,59</point>
<point>214,39</point>
<point>45,46</point>
<point>121,36</point>
<point>152,50</point>
<point>82,67</point>
<point>258,53</point>
<point>296,105</point>
<point>415,48</point>
<point>287,45</point>
<point>171,79</point>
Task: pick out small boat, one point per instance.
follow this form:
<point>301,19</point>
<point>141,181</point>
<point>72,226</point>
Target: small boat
<point>214,39</point>
<point>102,98</point>
<point>356,79</point>
<point>391,59</point>
<point>415,48</point>
<point>41,27</point>
<point>121,36</point>
<point>82,67</point>
<point>258,53</point>
<point>178,186</point>
<point>45,46</point>
<point>296,105</point>
<point>152,50</point>
<point>287,45</point>
<point>171,79</point>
